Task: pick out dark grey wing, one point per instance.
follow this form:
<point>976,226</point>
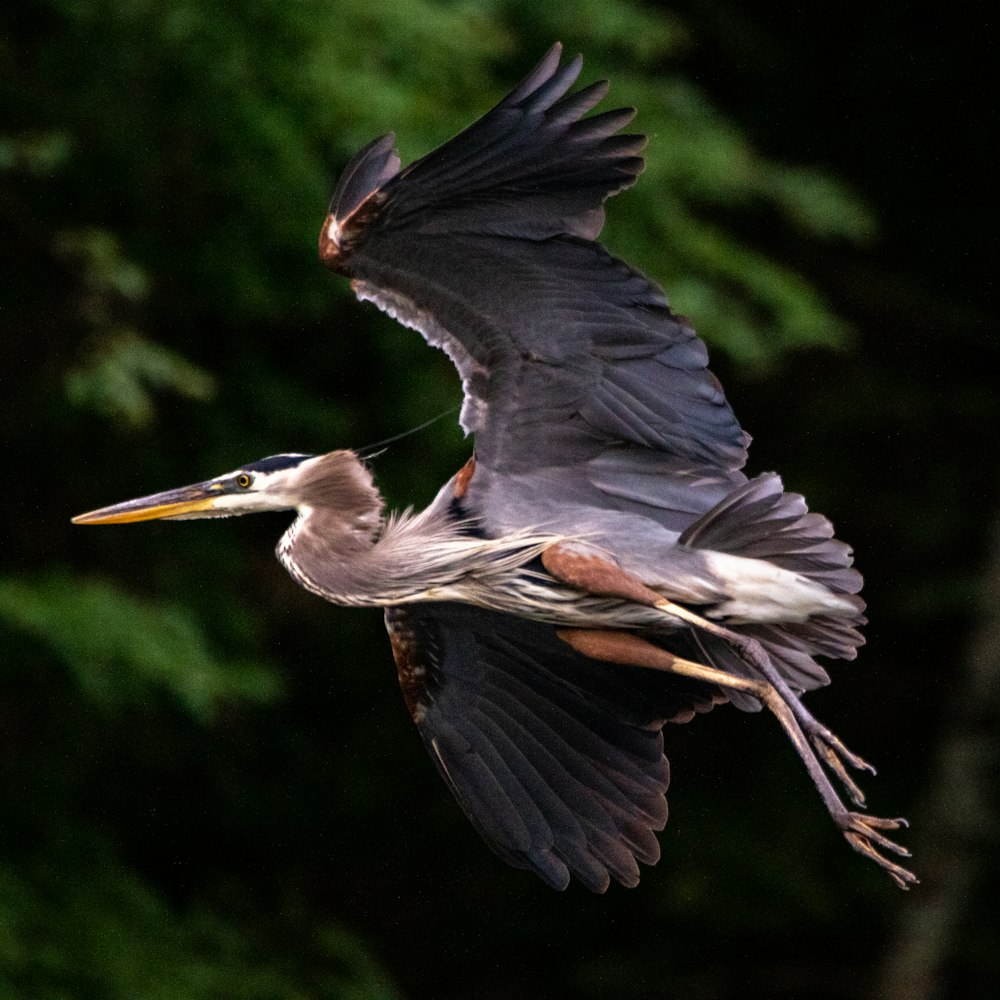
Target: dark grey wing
<point>556,759</point>
<point>530,168</point>
<point>486,247</point>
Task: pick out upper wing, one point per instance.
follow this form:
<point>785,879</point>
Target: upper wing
<point>486,247</point>
<point>556,759</point>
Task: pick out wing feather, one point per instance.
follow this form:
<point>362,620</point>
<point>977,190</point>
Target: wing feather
<point>555,325</point>
<point>556,759</point>
<point>369,169</point>
<point>486,246</point>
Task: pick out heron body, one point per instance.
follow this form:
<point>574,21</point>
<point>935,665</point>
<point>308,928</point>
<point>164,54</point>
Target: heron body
<point>602,565</point>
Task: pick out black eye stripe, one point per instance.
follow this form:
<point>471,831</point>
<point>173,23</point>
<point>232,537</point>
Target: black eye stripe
<point>275,462</point>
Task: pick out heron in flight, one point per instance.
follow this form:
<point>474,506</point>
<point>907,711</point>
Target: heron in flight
<point>601,565</point>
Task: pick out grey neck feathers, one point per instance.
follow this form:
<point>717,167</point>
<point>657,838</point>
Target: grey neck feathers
<point>340,515</point>
<point>425,556</point>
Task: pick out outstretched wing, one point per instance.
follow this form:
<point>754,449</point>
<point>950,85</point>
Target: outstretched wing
<point>486,246</point>
<point>556,759</point>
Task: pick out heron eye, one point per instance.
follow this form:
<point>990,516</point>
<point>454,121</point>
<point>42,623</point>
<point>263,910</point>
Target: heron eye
<point>244,481</point>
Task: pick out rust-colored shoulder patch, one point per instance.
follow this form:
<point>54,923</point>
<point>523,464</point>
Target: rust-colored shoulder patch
<point>329,241</point>
<point>463,477</point>
<point>338,237</point>
<point>409,654</point>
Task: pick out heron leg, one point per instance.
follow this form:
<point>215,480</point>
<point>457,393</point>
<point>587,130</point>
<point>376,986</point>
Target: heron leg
<point>827,744</point>
<point>863,833</point>
<point>595,574</point>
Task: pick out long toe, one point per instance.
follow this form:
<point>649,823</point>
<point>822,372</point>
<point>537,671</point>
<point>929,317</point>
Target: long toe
<point>836,765</point>
<point>823,736</point>
<point>862,833</point>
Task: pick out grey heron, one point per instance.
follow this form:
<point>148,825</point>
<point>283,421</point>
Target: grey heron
<point>601,565</point>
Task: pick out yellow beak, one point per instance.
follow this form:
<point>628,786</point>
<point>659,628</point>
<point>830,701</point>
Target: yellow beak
<point>185,501</point>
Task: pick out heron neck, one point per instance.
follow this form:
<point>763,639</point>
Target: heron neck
<point>415,557</point>
<point>319,543</point>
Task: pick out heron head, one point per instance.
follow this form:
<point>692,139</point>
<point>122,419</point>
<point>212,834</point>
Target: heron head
<point>279,482</point>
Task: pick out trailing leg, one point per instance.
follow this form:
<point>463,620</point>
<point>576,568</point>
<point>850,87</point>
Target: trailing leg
<point>829,746</point>
<point>596,575</point>
<point>862,832</point>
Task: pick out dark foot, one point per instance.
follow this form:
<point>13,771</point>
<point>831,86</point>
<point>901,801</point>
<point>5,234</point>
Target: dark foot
<point>862,833</point>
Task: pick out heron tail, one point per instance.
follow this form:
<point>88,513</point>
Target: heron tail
<point>761,521</point>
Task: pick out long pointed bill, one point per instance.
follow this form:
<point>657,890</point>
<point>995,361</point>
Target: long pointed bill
<point>187,501</point>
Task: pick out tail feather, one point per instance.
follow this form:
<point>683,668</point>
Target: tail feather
<point>760,521</point>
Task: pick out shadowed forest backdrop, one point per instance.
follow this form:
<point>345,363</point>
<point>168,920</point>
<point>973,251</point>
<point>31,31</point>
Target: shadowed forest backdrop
<point>209,786</point>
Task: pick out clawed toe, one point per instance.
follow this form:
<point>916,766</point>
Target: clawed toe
<point>835,755</point>
<point>836,765</point>
<point>823,737</point>
<point>862,833</point>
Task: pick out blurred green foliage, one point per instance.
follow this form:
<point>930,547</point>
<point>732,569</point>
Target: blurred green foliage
<point>77,924</point>
<point>209,785</point>
<point>121,650</point>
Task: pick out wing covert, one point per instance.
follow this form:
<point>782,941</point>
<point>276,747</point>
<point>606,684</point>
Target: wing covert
<point>563,350</point>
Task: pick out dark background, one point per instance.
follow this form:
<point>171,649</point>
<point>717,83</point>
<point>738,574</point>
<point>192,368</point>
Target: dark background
<point>209,784</point>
